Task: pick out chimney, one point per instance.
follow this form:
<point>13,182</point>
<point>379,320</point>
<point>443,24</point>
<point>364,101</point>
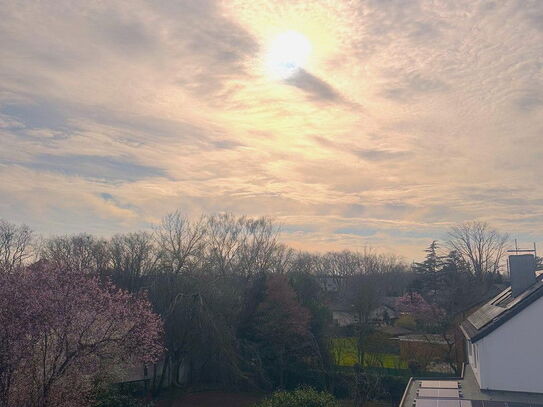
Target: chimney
<point>521,272</point>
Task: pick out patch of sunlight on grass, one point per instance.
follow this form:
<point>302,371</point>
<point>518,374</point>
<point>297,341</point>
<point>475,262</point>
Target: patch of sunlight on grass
<point>345,354</point>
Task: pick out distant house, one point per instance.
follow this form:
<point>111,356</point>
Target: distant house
<point>504,338</point>
<point>342,317</point>
<point>331,283</point>
<point>385,314</point>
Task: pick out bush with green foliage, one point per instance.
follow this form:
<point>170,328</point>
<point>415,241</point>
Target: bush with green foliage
<point>301,397</point>
<point>112,397</point>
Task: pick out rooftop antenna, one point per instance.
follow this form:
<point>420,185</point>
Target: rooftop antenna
<point>516,250</point>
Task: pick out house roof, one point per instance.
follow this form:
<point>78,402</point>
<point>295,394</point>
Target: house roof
<point>493,290</point>
<point>343,303</point>
<point>499,310</point>
<point>394,330</point>
<point>390,302</point>
<point>435,339</point>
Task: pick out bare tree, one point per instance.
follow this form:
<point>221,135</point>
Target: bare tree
<point>481,246</point>
<point>180,242</point>
<point>15,245</point>
<point>82,252</point>
<point>132,255</point>
<point>260,251</point>
<point>364,294</point>
<point>340,267</point>
<point>367,386</point>
<point>243,246</point>
<point>227,236</point>
<point>283,259</point>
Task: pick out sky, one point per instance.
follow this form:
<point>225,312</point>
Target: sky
<point>406,117</point>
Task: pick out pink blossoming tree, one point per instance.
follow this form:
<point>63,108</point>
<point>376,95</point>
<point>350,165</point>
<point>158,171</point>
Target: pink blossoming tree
<point>61,331</point>
<point>423,312</point>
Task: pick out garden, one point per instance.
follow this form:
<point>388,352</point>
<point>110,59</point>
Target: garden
<point>345,353</point>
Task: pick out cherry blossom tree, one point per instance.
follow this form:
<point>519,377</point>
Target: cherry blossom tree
<point>433,320</point>
<point>62,330</point>
<point>414,304</point>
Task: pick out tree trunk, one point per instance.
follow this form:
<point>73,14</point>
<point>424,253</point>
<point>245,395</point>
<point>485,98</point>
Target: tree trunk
<point>158,388</point>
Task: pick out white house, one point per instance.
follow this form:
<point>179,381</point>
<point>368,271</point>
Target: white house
<point>505,336</point>
<point>343,315</point>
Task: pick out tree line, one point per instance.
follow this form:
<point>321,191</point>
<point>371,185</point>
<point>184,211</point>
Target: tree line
<point>237,308</point>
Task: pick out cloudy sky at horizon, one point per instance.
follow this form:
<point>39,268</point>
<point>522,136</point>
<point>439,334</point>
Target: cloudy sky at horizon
<point>409,116</point>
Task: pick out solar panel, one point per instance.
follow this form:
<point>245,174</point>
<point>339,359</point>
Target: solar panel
<point>428,393</point>
<point>485,315</point>
<point>442,403</point>
<point>492,403</point>
<point>501,303</point>
<point>425,403</point>
<point>503,296</point>
<point>505,302</point>
<point>519,404</point>
<point>439,384</point>
<point>439,393</point>
<point>448,403</point>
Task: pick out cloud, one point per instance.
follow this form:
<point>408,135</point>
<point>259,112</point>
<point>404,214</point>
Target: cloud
<point>218,47</point>
<point>122,33</point>
<point>316,88</point>
<point>530,100</point>
<point>35,115</point>
<point>105,168</point>
<point>380,155</point>
<point>109,198</point>
<point>113,114</point>
<point>412,86</point>
<point>356,231</point>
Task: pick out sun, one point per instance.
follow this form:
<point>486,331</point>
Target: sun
<point>287,54</point>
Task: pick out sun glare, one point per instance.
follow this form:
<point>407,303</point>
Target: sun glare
<point>287,54</point>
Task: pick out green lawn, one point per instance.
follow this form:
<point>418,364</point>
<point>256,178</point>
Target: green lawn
<point>345,354</point>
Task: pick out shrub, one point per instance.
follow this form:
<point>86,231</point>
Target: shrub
<point>415,366</point>
<point>301,397</point>
<point>394,386</point>
<point>112,397</point>
<point>406,321</point>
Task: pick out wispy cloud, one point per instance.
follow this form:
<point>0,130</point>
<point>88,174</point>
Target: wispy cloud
<point>409,117</point>
<point>93,167</point>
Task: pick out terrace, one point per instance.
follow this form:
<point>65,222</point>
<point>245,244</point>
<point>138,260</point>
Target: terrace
<point>463,392</point>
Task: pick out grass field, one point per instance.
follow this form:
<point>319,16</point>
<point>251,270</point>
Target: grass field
<point>345,354</point>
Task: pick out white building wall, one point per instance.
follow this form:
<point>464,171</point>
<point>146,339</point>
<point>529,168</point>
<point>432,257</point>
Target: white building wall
<point>474,357</point>
<point>511,357</point>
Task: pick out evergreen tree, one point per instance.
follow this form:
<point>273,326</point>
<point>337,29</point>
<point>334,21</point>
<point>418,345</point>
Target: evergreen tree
<point>454,263</point>
<point>432,262</point>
